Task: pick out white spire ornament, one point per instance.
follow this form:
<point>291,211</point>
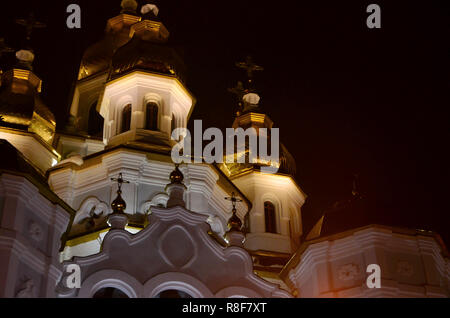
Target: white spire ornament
<point>25,58</point>
<point>150,8</point>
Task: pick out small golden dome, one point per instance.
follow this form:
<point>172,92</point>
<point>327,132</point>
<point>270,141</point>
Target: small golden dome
<point>21,106</point>
<point>234,223</point>
<point>119,205</point>
<point>97,57</point>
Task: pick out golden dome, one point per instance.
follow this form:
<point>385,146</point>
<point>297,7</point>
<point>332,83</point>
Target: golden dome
<point>234,223</point>
<point>97,57</point>
<point>148,51</point>
<point>21,106</point>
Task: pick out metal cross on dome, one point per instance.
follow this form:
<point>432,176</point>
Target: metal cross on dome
<point>233,200</point>
<point>120,181</point>
<point>30,24</point>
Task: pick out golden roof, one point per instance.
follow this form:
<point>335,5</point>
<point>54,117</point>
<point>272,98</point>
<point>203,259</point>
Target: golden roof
<point>21,105</point>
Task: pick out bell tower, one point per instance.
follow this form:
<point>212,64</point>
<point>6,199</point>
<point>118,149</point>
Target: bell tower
<point>274,223</point>
<point>26,122</point>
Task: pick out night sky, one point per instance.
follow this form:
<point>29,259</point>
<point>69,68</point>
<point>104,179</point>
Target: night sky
<point>347,99</point>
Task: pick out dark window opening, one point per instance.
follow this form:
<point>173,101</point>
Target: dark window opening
<point>269,214</point>
<point>151,114</point>
<point>110,292</point>
<point>126,119</point>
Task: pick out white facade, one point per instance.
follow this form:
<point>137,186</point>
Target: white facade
<point>287,199</point>
<point>176,243</point>
<point>173,252</point>
<point>31,227</point>
<point>412,265</point>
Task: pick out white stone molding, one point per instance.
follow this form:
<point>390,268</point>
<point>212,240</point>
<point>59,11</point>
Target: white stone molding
<point>237,292</point>
<point>336,268</point>
<point>177,243</point>
<point>100,208</point>
<point>32,148</point>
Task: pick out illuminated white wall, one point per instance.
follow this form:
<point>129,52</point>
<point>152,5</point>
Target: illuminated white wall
<point>148,179</point>
<point>43,157</point>
<point>138,89</point>
<point>411,266</point>
<point>287,198</point>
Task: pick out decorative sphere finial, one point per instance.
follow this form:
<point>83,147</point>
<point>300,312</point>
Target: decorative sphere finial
<point>176,176</point>
<point>234,223</point>
<point>147,8</point>
<point>129,6</point>
<point>119,205</point>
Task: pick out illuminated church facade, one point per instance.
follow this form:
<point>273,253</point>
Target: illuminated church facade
<point>103,193</point>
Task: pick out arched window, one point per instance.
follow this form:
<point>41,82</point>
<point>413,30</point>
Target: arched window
<point>173,293</point>
<point>95,122</point>
<point>269,214</point>
<point>126,119</point>
<point>151,116</point>
<point>110,292</point>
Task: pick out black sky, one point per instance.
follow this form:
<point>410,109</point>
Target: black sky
<point>347,99</point>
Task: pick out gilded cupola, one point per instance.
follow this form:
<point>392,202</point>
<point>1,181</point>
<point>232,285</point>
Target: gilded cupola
<point>97,58</point>
<point>26,122</point>
<point>249,115</point>
<point>21,106</point>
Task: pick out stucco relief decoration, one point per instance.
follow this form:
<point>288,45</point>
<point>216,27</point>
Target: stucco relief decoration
<point>159,200</point>
<point>177,247</point>
<point>405,268</point>
<point>90,212</point>
<point>35,231</point>
<point>27,290</point>
<point>348,272</point>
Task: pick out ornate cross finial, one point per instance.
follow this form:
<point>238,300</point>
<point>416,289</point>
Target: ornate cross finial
<point>120,181</point>
<point>234,223</point>
<point>119,205</point>
<point>30,23</point>
<point>250,67</point>
<point>233,200</point>
<point>4,48</point>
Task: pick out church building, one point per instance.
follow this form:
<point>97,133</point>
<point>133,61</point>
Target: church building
<point>103,194</point>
